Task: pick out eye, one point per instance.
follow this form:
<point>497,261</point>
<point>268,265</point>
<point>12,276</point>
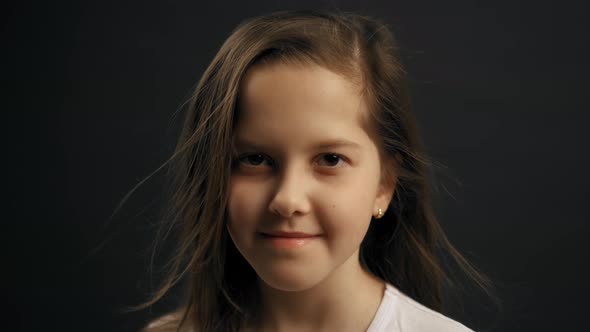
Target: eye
<point>254,159</point>
<point>332,159</point>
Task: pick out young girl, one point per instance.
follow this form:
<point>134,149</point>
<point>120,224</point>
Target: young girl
<point>302,188</point>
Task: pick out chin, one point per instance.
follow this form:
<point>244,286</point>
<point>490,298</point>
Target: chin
<point>289,281</point>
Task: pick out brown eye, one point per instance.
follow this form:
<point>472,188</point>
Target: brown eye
<point>255,159</point>
<point>331,159</point>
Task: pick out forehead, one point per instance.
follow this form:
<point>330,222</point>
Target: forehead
<point>295,103</point>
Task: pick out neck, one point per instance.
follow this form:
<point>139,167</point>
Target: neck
<point>347,299</point>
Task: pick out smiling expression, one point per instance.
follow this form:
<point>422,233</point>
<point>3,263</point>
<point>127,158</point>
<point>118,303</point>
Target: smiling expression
<point>303,163</point>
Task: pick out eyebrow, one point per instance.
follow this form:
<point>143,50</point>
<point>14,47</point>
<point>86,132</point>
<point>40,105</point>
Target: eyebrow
<point>327,144</point>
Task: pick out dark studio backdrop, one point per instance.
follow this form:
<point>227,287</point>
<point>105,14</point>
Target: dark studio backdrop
<point>91,90</point>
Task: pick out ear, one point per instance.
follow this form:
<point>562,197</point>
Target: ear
<point>387,185</point>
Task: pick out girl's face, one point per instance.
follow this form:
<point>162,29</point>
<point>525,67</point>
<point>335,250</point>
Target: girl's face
<point>304,164</point>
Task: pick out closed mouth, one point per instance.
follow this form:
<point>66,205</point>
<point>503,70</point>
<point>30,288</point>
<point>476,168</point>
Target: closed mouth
<point>289,235</point>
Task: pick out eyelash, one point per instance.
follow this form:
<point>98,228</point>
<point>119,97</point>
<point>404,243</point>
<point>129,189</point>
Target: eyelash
<point>245,156</point>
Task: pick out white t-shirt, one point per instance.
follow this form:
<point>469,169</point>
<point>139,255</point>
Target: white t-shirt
<point>400,313</point>
<point>396,313</point>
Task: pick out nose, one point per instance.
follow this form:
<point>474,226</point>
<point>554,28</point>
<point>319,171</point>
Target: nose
<point>291,195</point>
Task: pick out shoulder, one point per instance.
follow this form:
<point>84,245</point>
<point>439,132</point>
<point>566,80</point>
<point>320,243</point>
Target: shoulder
<point>168,322</point>
<point>411,315</point>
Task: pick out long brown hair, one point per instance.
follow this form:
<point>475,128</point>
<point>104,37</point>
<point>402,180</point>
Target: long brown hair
<point>404,248</point>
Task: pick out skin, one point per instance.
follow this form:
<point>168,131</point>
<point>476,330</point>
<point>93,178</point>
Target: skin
<point>283,179</point>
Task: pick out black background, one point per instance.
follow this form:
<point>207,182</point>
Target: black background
<point>90,93</point>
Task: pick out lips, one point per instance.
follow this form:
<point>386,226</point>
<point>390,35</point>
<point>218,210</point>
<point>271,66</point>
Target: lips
<point>289,234</point>
<point>288,240</point>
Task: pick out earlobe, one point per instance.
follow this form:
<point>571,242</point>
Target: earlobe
<point>380,214</point>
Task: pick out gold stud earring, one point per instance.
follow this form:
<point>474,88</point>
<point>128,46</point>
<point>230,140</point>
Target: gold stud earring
<point>379,214</point>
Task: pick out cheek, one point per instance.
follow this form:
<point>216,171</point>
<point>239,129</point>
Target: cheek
<point>349,209</point>
<point>244,205</point>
